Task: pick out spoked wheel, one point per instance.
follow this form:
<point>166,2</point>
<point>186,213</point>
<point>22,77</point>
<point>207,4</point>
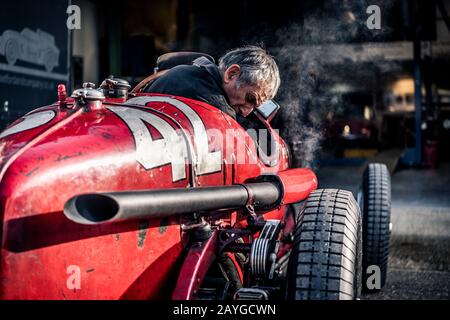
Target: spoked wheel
<point>375,203</point>
<point>325,261</point>
<point>221,282</point>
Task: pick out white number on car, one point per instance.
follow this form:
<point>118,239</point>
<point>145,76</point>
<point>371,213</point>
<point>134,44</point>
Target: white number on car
<point>173,148</point>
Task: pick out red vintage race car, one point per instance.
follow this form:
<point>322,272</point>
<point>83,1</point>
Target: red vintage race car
<point>111,195</point>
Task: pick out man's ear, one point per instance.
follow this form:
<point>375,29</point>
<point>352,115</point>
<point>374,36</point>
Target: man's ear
<point>232,73</point>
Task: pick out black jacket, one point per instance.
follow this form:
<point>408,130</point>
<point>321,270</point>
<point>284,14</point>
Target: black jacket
<point>201,81</point>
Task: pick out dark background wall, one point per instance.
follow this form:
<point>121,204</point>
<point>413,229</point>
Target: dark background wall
<point>25,83</point>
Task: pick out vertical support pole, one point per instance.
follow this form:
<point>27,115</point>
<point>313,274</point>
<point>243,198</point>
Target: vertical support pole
<point>114,37</point>
<point>417,101</point>
<point>417,87</point>
<point>70,78</point>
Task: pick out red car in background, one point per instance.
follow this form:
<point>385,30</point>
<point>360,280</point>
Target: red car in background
<point>352,126</point>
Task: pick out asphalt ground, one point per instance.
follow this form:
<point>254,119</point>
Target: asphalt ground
<point>419,259</point>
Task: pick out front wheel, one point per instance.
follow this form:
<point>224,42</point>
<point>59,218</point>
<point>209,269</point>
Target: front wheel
<point>325,261</point>
<point>50,60</point>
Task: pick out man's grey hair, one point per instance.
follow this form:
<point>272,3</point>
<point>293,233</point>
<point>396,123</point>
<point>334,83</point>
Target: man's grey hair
<point>258,68</point>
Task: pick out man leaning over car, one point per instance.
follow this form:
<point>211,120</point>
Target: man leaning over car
<point>244,79</point>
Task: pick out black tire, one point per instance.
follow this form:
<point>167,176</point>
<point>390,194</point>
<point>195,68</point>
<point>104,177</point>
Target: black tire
<point>376,208</point>
<point>325,261</point>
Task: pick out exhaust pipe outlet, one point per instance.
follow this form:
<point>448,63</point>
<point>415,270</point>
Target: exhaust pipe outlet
<point>97,208</point>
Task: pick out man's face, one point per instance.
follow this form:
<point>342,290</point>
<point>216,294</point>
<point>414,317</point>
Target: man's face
<point>243,99</point>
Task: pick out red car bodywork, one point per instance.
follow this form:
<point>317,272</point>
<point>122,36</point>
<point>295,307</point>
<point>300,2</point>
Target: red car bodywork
<point>78,151</point>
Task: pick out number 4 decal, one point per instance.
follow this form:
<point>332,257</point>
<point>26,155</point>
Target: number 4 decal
<point>155,153</point>
<point>172,148</point>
